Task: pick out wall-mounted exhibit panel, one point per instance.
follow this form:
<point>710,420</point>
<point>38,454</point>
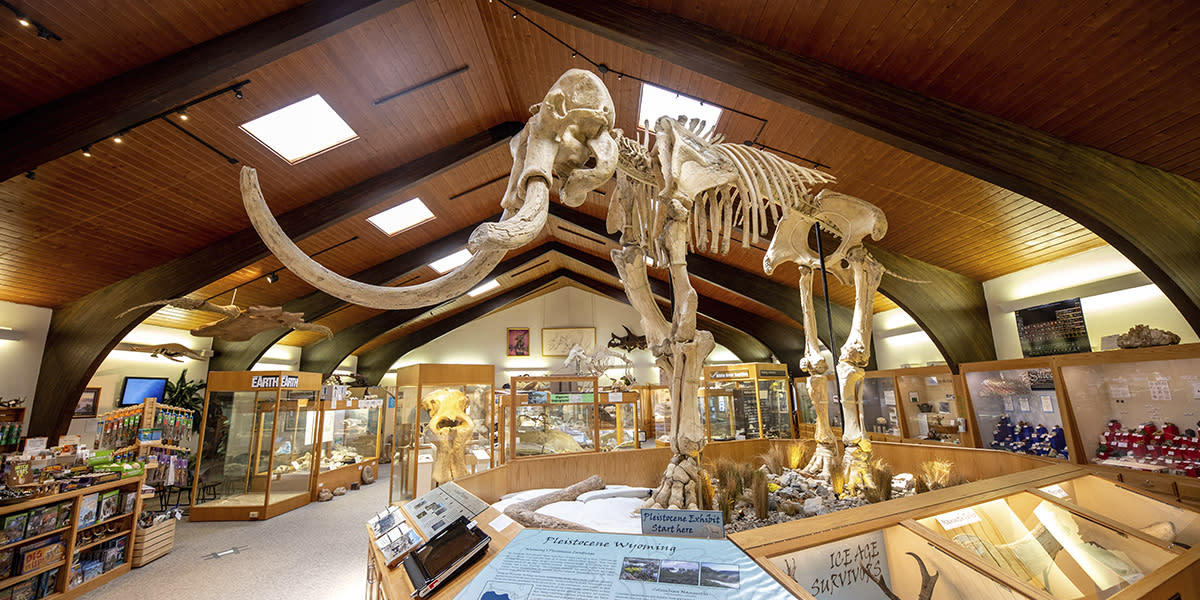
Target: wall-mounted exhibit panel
<point>747,401</point>
<point>456,394</point>
<point>258,450</point>
<point>1137,408</point>
<point>1018,407</point>
<point>351,433</point>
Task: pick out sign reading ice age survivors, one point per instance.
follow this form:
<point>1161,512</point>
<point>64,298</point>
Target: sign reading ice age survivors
<point>706,524</point>
<point>571,565</point>
<point>843,569</point>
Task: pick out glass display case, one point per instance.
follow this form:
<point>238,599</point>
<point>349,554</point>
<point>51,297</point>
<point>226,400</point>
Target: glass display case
<point>1137,408</point>
<point>1169,523</point>
<point>256,445</point>
<point>932,405</point>
<point>552,415</point>
<point>351,433</point>
<point>807,414</point>
<point>620,426</point>
<point>1017,407</point>
<point>1051,545</point>
<point>656,412</point>
<point>747,401</point>
<point>412,453</point>
<point>881,416</point>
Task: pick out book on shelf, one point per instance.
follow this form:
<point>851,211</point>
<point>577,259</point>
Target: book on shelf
<point>87,510</point>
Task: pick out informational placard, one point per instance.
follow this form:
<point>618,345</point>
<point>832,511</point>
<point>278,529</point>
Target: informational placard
<point>567,565</point>
<point>1055,328</point>
<point>1160,390</point>
<point>1047,404</point>
<point>750,412</point>
<point>841,569</point>
<point>433,511</point>
<point>1196,390</point>
<point>889,397</point>
<point>1055,490</point>
<point>957,518</point>
<point>704,524</point>
<point>1118,391</point>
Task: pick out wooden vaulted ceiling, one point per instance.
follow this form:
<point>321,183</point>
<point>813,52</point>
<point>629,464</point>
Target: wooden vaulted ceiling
<point>1119,76</point>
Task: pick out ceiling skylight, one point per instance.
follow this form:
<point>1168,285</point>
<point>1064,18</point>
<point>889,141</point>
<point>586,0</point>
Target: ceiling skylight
<point>301,130</point>
<point>657,102</point>
<point>485,288</point>
<point>401,217</point>
<point>449,263</point>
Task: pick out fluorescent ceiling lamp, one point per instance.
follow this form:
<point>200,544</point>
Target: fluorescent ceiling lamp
<point>301,130</point>
<point>401,217</point>
<point>485,288</point>
<point>449,263</point>
<point>657,102</point>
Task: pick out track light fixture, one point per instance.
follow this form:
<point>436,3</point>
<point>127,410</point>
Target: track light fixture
<point>31,174</point>
<point>24,20</point>
<point>87,150</point>
<point>237,92</point>
<point>272,277</point>
<point>183,116</point>
<point>120,137</point>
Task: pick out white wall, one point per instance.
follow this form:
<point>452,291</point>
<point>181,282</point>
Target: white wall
<point>483,341</point>
<point>120,364</point>
<point>899,342</point>
<point>1082,275</point>
<point>21,359</point>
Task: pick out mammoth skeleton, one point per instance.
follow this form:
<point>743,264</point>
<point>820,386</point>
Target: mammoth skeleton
<point>686,191</point>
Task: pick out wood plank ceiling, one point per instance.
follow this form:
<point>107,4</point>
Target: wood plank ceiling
<point>1117,75</point>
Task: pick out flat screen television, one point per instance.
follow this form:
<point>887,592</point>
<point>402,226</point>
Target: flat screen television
<point>136,389</point>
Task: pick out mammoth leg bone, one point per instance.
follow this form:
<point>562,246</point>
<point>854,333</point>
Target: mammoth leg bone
<point>818,378</point>
<point>853,358</point>
<point>526,514</point>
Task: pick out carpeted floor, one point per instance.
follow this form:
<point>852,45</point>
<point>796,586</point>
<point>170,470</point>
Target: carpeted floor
<point>317,552</point>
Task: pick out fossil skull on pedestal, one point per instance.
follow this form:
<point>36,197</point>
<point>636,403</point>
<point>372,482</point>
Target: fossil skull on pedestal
<point>449,430</point>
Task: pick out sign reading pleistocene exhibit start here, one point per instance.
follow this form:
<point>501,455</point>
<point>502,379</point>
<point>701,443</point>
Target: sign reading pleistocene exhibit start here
<point>569,565</point>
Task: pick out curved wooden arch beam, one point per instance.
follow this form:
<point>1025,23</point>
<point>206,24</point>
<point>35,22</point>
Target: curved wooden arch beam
<point>84,331</point>
<point>950,308</point>
<point>240,356</point>
<point>1148,214</point>
<point>373,365</point>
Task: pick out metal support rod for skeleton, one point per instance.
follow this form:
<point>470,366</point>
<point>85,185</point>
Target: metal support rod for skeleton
<point>837,394</point>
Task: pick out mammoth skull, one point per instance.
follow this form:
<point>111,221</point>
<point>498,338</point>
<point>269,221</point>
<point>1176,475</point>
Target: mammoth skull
<point>568,144</point>
<point>449,430</point>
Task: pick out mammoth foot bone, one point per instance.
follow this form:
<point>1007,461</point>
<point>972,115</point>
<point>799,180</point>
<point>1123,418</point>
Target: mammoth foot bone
<point>239,324</point>
<point>679,487</point>
<point>824,460</point>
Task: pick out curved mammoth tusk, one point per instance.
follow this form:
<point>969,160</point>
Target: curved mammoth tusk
<point>450,285</point>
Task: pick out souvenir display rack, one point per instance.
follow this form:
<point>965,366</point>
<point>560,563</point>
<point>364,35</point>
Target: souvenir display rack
<point>83,545</point>
<point>351,430</point>
<point>12,418</point>
<point>412,458</point>
<point>151,433</point>
<point>258,450</point>
<point>747,401</point>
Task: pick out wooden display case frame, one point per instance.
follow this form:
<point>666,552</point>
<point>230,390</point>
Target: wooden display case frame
<point>71,541</point>
<point>345,475</point>
<point>649,424</point>
<point>425,377</point>
<point>242,381</point>
<point>508,440</point>
<point>1037,362</point>
<point>969,438</point>
<point>754,374</point>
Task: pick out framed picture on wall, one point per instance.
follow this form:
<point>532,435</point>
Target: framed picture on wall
<point>86,408</point>
<point>558,341</point>
<point>518,341</point>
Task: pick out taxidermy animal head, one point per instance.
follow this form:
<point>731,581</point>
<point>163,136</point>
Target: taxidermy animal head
<point>568,145</point>
<point>238,324</point>
<point>628,342</point>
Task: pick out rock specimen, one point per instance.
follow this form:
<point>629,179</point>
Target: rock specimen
<point>1144,336</point>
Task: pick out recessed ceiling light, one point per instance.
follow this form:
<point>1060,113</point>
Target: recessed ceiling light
<point>657,102</point>
<point>485,288</point>
<point>401,217</point>
<point>449,263</point>
<point>301,130</point>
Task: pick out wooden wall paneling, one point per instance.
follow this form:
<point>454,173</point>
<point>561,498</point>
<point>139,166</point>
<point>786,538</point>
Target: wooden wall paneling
<point>1093,187</point>
<point>64,125</point>
<point>239,356</point>
<point>82,332</point>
